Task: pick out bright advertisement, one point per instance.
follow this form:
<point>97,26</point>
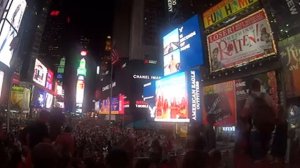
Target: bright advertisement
<point>149,97</point>
<point>194,95</point>
<point>80,91</point>
<point>49,80</point>
<point>1,81</point>
<point>224,10</point>
<point>290,53</point>
<point>172,99</point>
<point>183,47</point>
<point>241,42</point>
<point>268,86</point>
<point>19,98</point>
<point>49,100</point>
<point>8,36</point>
<point>40,73</point>
<point>219,102</point>
<point>104,106</point>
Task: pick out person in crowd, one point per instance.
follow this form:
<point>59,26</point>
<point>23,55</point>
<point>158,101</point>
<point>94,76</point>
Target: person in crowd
<point>210,134</point>
<point>38,130</point>
<point>44,156</point>
<point>261,110</point>
<point>195,159</point>
<point>117,158</point>
<point>66,141</point>
<point>156,152</point>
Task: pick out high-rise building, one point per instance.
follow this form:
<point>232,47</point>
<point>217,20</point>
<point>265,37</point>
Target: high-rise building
<point>51,49</point>
<point>137,27</point>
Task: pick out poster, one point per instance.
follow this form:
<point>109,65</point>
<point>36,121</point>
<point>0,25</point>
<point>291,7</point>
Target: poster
<point>219,101</point>
<point>268,86</point>
<point>289,50</point>
<point>241,42</point>
<point>224,10</point>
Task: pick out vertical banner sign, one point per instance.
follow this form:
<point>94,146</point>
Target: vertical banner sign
<point>194,96</point>
<point>268,86</point>
<point>224,10</point>
<point>239,43</point>
<point>290,54</point>
<point>219,102</point>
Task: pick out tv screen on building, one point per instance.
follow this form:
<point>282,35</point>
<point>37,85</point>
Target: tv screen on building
<point>183,47</point>
<point>40,73</point>
<point>172,99</point>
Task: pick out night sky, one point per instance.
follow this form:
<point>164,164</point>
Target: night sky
<point>91,19</point>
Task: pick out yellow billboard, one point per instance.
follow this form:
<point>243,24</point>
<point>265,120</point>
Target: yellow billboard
<point>225,9</point>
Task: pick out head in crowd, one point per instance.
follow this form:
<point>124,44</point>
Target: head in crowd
<point>44,156</point>
<point>195,159</point>
<point>117,158</point>
<point>255,85</point>
<point>44,116</point>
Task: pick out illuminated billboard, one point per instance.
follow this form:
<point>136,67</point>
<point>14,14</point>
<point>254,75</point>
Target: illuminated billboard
<point>49,80</point>
<point>39,98</point>
<point>80,91</point>
<point>49,100</point>
<point>246,40</point>
<point>10,27</point>
<point>106,106</point>
<point>225,9</point>
<point>19,98</point>
<point>40,73</point>
<point>172,99</point>
<point>182,47</point>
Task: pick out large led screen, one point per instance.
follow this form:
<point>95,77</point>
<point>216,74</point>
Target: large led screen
<point>49,81</point>
<point>11,25</point>
<point>172,99</point>
<point>80,91</point>
<point>19,98</point>
<point>40,73</point>
<point>183,47</point>
<point>114,106</point>
<point>49,100</point>
<point>39,98</point>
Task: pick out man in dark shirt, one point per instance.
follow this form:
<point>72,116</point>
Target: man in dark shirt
<point>38,130</point>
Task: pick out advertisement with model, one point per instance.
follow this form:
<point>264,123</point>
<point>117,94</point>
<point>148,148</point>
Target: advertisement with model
<point>9,30</point>
<point>246,40</point>
<point>183,47</point>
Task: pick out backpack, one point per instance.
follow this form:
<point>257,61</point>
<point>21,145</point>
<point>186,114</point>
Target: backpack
<point>263,116</point>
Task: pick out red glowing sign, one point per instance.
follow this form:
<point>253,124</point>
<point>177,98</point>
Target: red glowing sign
<point>83,53</point>
<point>54,13</point>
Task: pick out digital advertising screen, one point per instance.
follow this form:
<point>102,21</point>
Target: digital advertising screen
<point>49,80</point>
<point>183,47</point>
<point>11,25</point>
<point>104,106</point>
<point>149,97</point>
<point>40,73</point>
<point>39,98</point>
<point>19,98</point>
<point>194,94</point>
<point>80,91</point>
<point>172,99</point>
<point>1,81</point>
<point>49,100</point>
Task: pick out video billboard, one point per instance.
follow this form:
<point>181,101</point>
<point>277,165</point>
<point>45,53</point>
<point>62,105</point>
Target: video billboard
<point>10,27</point>
<point>39,98</point>
<point>183,47</point>
<point>246,40</point>
<point>49,100</point>
<point>106,104</point>
<point>289,50</point>
<point>49,80</point>
<point>40,73</point>
<point>172,99</point>
<point>80,91</point>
